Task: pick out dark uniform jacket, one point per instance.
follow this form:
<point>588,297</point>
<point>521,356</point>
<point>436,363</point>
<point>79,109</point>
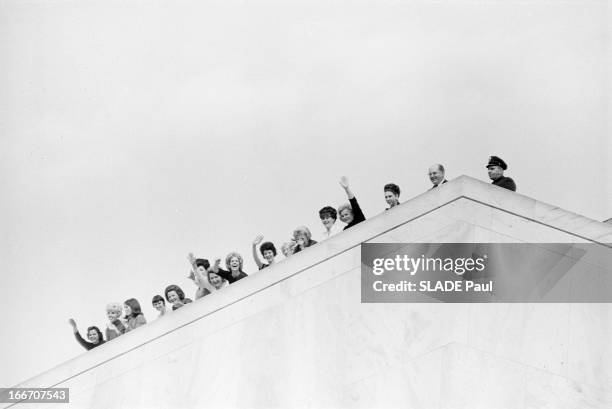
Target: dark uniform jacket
<point>505,182</point>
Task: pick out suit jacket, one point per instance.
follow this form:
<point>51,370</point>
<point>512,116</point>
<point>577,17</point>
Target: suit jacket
<point>435,186</point>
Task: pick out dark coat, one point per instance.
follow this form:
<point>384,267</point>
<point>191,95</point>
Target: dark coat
<point>505,182</point>
<point>358,215</point>
<point>229,277</point>
<point>86,344</point>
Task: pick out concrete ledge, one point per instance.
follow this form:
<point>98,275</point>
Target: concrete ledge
<point>317,265</point>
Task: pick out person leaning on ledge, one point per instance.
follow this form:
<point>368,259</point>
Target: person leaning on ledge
<point>436,175</point>
<point>496,167</point>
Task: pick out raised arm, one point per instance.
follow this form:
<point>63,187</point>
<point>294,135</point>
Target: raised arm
<point>344,182</point>
<point>358,215</point>
<point>79,338</point>
<point>215,267</point>
<point>202,282</point>
<point>198,278</point>
<point>72,323</point>
<point>194,274</point>
<point>219,271</point>
<point>191,258</point>
<point>256,242</point>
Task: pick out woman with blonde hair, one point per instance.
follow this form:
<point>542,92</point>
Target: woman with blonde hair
<point>233,263</point>
<point>350,213</point>
<point>114,326</point>
<point>302,238</point>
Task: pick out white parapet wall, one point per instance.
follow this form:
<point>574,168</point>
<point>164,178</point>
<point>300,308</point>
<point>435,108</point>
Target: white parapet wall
<point>297,334</point>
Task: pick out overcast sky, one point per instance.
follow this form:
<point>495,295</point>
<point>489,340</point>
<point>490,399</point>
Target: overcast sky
<point>132,133</point>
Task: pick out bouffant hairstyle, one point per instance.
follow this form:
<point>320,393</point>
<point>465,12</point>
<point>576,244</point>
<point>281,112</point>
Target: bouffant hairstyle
<point>100,337</point>
<point>328,211</point>
<point>114,306</point>
<point>177,289</point>
<point>302,230</point>
<point>268,245</point>
<point>158,298</point>
<point>202,262</point>
<point>393,188</point>
<point>229,257</point>
<point>134,305</point>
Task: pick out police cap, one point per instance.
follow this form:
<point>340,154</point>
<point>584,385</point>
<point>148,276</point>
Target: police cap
<point>497,161</point>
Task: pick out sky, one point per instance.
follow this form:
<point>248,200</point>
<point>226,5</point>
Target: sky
<point>132,132</point>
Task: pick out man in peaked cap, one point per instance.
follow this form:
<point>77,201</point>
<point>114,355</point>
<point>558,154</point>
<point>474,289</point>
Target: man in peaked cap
<point>496,169</point>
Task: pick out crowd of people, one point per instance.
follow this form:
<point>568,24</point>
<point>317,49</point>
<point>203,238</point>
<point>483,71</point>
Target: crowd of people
<point>211,278</point>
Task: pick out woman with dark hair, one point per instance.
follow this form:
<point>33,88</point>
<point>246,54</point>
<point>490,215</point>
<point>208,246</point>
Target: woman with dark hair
<point>175,295</point>
<point>392,194</point>
<point>159,304</point>
<point>267,250</point>
<point>93,334</point>
<point>133,314</point>
<point>209,284</point>
<point>328,216</point>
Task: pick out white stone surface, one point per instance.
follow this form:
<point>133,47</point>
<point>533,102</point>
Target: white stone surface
<point>297,335</point>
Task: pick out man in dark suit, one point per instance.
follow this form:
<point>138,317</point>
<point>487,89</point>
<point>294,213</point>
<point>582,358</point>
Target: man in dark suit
<point>496,167</point>
<point>436,175</point>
